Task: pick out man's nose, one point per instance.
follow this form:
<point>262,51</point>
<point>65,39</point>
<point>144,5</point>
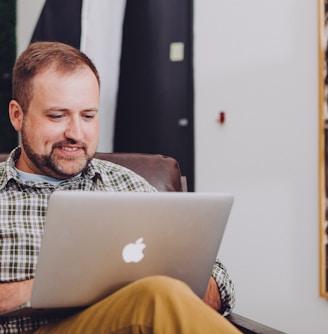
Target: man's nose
<point>74,129</point>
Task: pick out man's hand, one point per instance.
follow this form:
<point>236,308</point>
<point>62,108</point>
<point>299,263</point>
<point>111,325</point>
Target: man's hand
<point>212,295</point>
<point>14,294</point>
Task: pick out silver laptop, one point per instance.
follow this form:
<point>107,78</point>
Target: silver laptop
<point>97,242</point>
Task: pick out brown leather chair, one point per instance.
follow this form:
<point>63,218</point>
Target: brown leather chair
<point>164,174</point>
<point>161,171</point>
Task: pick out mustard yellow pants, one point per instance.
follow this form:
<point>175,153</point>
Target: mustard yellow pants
<point>155,304</point>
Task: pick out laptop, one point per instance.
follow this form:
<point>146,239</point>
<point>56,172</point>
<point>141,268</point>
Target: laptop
<point>97,242</point>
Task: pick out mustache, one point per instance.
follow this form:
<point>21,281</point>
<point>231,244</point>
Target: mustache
<point>70,142</point>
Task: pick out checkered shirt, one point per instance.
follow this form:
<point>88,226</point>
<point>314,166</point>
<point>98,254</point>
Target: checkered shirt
<point>22,214</point>
<point>226,287</point>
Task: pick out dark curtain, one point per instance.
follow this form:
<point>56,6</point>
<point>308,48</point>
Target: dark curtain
<point>8,136</point>
<point>60,20</point>
<point>155,99</point>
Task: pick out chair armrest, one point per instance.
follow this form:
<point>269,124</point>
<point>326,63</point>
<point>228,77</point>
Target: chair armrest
<point>248,326</point>
<point>161,171</point>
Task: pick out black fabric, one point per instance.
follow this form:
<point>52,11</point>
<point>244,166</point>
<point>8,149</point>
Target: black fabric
<point>155,93</point>
<point>8,136</point>
<point>60,21</point>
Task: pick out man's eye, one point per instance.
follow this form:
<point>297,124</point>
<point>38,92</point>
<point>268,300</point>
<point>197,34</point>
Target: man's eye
<point>56,116</point>
<point>88,117</point>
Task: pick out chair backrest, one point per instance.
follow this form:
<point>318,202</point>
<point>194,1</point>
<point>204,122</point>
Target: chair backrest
<point>161,171</point>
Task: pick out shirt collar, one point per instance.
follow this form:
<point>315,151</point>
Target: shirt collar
<point>10,172</point>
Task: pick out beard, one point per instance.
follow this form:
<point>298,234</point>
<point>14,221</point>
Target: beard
<point>53,165</point>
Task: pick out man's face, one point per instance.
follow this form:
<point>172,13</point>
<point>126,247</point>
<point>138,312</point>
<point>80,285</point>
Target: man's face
<point>59,132</point>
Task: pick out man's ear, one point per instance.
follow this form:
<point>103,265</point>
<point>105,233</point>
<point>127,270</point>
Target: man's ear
<point>16,115</point>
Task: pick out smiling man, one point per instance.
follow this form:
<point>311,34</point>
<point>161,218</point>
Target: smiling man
<point>58,119</point>
<point>55,110</point>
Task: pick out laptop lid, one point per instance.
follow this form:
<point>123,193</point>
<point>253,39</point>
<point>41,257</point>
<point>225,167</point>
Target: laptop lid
<point>97,242</point>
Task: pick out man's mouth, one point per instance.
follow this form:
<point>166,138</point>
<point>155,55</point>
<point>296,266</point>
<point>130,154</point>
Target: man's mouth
<point>70,149</point>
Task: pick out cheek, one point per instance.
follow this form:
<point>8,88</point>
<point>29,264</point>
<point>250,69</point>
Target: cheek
<point>44,136</point>
<point>92,133</point>
<point>41,131</point>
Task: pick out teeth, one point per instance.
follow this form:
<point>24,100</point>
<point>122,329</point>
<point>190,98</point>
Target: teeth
<point>70,149</point>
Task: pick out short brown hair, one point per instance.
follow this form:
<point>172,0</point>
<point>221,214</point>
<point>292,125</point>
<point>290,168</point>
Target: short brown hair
<point>40,56</point>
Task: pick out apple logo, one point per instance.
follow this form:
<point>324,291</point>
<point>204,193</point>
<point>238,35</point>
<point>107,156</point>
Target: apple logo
<point>133,252</point>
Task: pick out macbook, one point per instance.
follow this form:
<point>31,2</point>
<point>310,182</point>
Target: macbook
<point>97,242</point>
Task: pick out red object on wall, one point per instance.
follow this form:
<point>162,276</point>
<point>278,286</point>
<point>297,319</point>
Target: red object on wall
<point>222,117</point>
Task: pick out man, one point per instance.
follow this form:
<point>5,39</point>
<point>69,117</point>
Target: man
<point>55,110</point>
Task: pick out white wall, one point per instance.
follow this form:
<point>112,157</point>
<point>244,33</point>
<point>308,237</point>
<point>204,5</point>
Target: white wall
<point>27,15</point>
<point>257,60</point>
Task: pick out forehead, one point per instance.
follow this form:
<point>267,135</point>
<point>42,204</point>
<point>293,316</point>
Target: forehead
<point>57,88</point>
<point>50,79</point>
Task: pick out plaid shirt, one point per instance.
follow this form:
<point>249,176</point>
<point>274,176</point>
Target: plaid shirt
<point>226,287</point>
<point>23,208</point>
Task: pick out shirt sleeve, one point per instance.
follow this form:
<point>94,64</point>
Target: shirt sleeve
<point>226,287</point>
